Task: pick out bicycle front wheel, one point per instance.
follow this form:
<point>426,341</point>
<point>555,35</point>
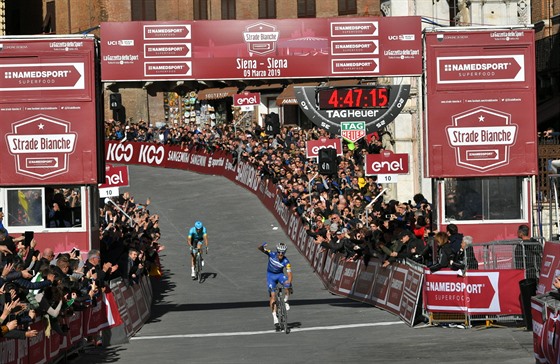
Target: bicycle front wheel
<point>199,267</point>
<point>282,313</point>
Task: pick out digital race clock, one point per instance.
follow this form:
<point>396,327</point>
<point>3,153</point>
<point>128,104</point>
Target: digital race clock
<point>353,98</point>
<point>329,108</point>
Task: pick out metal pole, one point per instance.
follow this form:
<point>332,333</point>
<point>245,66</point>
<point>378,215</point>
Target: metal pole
<point>368,206</point>
<point>121,210</point>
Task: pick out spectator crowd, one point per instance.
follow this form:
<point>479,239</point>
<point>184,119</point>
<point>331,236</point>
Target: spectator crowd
<point>48,285</point>
<point>346,212</point>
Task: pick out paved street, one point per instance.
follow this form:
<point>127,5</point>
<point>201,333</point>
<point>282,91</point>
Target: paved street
<point>226,319</point>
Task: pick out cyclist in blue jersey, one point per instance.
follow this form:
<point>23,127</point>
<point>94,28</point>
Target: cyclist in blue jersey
<point>197,236</point>
<point>277,261</point>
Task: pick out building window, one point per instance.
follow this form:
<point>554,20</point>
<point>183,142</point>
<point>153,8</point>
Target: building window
<point>228,9</point>
<point>306,8</point>
<point>143,9</point>
<point>267,9</point>
<point>49,22</point>
<point>492,198</point>
<point>347,7</point>
<point>40,208</point>
<point>200,10</point>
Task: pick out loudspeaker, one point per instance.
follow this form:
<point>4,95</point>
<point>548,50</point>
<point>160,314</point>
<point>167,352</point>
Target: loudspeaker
<point>272,124</point>
<point>115,101</point>
<point>327,161</point>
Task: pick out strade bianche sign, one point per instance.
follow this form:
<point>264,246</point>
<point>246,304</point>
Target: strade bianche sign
<point>49,113</point>
<point>480,103</point>
<point>41,146</point>
<point>482,138</point>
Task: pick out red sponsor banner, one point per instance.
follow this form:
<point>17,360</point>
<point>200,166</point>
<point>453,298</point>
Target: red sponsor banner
<point>95,318</point>
<point>396,288</point>
<point>352,47</point>
<point>75,327</point>
<point>55,343</point>
<point>48,111</point>
<point>40,76</point>
<point>362,287</point>
<point>546,325</point>
<point>381,287</point>
<point>167,50</point>
<point>481,108</point>
<point>346,277</point>
<point>261,49</point>
<point>386,162</point>
<point>479,292</point>
<point>247,98</point>
<point>550,266</point>
<point>140,303</point>
<point>135,153</point>
<point>538,306</point>
<point>37,347</point>
<point>115,176</point>
<point>313,146</point>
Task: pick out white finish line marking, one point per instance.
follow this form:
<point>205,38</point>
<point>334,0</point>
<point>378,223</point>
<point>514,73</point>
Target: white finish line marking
<point>249,333</point>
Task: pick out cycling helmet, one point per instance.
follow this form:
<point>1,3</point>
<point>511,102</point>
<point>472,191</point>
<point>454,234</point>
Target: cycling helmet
<point>281,248</point>
<point>198,225</point>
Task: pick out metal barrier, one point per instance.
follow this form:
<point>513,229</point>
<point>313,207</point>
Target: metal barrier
<point>510,254</point>
<point>496,255</point>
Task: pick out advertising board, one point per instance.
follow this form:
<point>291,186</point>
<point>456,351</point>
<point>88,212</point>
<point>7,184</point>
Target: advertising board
<point>481,108</point>
<point>48,111</point>
<point>261,48</point>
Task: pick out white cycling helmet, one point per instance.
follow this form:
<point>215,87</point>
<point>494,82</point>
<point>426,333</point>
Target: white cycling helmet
<point>281,248</point>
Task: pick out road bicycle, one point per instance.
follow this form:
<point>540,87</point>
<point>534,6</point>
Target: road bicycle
<point>198,263</point>
<point>281,311</point>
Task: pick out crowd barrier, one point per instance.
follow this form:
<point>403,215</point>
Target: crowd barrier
<point>545,308</point>
<point>118,314</point>
<point>397,288</point>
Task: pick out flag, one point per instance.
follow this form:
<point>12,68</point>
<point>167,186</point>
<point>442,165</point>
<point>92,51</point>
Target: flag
<point>113,315</point>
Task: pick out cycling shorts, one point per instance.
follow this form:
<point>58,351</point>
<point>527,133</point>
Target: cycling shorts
<point>198,243</point>
<point>273,278</point>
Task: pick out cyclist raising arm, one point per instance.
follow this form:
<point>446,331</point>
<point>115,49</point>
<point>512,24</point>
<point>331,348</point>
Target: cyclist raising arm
<point>197,236</point>
<point>277,261</point>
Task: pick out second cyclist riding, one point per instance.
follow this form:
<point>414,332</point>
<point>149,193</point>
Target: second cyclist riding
<point>196,238</point>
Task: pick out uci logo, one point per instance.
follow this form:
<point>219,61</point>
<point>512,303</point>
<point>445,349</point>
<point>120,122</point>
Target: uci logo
<point>393,37</point>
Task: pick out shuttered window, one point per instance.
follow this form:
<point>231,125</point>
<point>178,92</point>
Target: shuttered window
<point>306,8</point>
<point>347,7</point>
<point>200,10</point>
<point>228,9</point>
<point>143,9</point>
<point>267,9</point>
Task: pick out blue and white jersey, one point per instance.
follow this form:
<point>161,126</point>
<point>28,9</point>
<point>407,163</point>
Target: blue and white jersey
<point>275,265</point>
<point>196,236</point>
